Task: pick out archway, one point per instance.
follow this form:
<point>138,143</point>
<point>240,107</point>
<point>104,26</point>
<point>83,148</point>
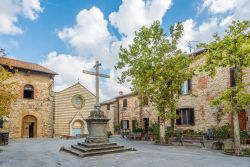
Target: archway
<point>77,128</point>
<point>29,126</point>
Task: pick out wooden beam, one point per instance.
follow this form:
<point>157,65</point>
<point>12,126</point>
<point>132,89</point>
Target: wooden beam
<point>95,74</point>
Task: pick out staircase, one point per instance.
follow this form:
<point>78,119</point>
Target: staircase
<point>94,149</point>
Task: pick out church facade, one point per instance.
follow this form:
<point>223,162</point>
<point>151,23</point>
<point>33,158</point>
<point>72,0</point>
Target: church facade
<point>32,113</point>
<point>72,106</point>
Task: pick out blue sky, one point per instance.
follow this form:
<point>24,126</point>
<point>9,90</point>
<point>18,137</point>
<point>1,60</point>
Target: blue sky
<point>48,32</point>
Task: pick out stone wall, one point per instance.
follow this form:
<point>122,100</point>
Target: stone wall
<point>41,107</point>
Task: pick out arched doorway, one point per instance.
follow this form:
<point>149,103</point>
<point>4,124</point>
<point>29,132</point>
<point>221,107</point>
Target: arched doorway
<point>29,126</point>
<point>77,128</point>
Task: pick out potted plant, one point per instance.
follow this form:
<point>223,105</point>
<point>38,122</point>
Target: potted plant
<point>243,137</point>
<point>220,134</point>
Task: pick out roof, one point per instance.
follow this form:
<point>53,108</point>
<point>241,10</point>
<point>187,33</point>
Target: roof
<point>126,95</point>
<point>78,83</point>
<point>198,52</point>
<point>109,101</point>
<point>25,65</point>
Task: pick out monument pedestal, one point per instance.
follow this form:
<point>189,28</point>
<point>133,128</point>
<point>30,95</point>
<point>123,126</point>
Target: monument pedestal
<point>97,130</point>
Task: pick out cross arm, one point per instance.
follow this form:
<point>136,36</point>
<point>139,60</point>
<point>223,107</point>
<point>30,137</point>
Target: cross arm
<point>95,74</point>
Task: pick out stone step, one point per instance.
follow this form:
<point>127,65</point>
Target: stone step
<point>96,153</point>
<point>92,145</point>
<point>91,149</point>
<point>72,151</point>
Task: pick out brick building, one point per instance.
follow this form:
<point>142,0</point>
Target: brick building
<point>193,107</point>
<point>32,112</point>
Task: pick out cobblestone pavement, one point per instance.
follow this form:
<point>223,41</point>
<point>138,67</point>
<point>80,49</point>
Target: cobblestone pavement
<point>45,153</point>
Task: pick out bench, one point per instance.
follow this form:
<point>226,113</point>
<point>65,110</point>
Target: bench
<point>193,139</point>
<point>134,135</point>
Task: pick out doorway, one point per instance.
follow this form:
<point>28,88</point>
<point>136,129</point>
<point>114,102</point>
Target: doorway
<point>77,128</point>
<point>29,127</point>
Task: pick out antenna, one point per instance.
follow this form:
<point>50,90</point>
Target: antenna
<point>189,44</point>
<point>2,52</point>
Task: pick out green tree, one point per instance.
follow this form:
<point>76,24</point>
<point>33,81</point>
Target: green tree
<point>7,90</point>
<point>231,51</point>
<point>156,68</point>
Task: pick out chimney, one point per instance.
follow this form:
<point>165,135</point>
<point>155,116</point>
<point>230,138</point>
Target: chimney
<point>120,93</point>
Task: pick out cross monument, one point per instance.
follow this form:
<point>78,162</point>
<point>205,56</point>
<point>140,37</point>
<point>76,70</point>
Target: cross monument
<point>96,122</point>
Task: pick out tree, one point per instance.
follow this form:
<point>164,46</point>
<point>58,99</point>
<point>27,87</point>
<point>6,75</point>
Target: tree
<point>156,68</point>
<point>7,90</point>
<point>231,51</point>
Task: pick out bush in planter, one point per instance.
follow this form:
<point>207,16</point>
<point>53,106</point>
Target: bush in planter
<point>138,130</point>
<point>169,132</point>
<point>221,133</point>
<point>245,152</point>
<point>243,136</point>
<point>155,129</point>
<point>108,134</point>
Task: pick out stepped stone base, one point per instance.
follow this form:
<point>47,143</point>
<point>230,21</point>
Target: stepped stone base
<point>93,149</point>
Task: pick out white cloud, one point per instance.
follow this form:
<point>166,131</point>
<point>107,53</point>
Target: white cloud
<point>70,69</point>
<point>133,14</point>
<point>31,8</point>
<point>223,13</point>
<point>10,10</point>
<point>90,36</point>
<point>219,6</point>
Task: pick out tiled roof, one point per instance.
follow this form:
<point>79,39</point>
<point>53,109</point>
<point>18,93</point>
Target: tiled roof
<point>25,65</point>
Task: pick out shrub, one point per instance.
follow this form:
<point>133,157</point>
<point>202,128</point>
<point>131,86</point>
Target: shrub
<point>245,151</point>
<point>108,134</point>
<point>138,130</point>
<point>155,129</point>
<point>223,132</point>
<point>243,136</point>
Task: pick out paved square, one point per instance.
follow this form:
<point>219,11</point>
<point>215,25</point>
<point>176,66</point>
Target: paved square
<point>45,153</point>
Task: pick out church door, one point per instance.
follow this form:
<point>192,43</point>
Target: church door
<point>29,126</point>
<point>77,128</point>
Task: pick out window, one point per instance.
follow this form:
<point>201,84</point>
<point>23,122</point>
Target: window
<point>145,101</point>
<point>108,106</point>
<point>28,92</point>
<point>78,101</point>
<point>1,122</point>
<point>146,123</point>
<point>125,103</point>
<point>232,78</point>
<point>186,87</point>
<point>186,116</point>
<point>134,125</point>
<point>125,124</point>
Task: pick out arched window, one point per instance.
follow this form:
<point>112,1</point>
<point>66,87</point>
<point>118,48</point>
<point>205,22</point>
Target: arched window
<point>28,92</point>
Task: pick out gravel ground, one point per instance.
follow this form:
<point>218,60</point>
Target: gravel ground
<point>45,153</point>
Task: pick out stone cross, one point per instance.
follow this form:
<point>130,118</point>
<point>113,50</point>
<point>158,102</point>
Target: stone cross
<point>97,75</point>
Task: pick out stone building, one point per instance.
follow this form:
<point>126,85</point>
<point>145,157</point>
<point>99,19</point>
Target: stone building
<point>72,106</point>
<point>32,112</point>
<point>129,113</point>
<point>194,106</point>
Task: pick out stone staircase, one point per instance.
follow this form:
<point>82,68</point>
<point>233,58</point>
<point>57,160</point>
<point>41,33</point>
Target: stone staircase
<point>94,149</point>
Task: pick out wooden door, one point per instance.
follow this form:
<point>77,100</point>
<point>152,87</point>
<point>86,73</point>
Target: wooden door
<point>29,126</point>
<point>25,130</point>
<point>242,120</point>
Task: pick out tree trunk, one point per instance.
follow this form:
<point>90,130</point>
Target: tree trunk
<point>162,131</point>
<point>236,129</point>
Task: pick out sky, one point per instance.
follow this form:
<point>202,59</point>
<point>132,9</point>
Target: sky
<point>68,36</point>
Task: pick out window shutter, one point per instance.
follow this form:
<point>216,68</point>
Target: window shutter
<point>1,123</point>
<point>121,124</point>
<point>178,120</point>
<point>127,124</point>
<point>189,85</point>
<point>191,114</point>
<point>232,78</point>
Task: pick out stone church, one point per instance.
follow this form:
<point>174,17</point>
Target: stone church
<point>32,112</point>
<point>72,106</point>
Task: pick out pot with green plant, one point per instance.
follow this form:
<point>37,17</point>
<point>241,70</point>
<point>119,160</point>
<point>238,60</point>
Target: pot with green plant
<point>155,130</point>
<point>220,134</point>
<point>243,137</point>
